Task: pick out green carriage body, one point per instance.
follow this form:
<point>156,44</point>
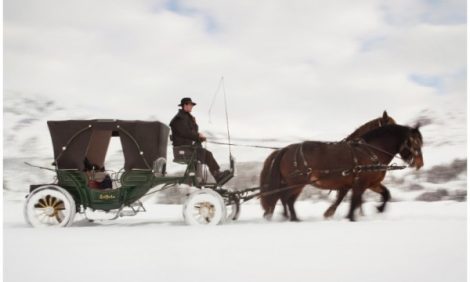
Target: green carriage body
<point>144,143</point>
<point>79,143</point>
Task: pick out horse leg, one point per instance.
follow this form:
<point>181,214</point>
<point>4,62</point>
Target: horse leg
<point>268,213</point>
<point>361,209</point>
<point>339,198</point>
<point>290,203</point>
<point>356,201</point>
<point>285,213</point>
<point>382,190</point>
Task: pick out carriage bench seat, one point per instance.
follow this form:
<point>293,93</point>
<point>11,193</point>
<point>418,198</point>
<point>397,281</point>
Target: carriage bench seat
<point>181,161</point>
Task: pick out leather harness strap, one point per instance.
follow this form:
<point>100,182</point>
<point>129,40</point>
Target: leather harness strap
<point>299,151</point>
<point>357,145</point>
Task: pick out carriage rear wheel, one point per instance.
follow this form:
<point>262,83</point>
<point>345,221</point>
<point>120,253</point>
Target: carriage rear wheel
<point>50,206</point>
<point>204,207</point>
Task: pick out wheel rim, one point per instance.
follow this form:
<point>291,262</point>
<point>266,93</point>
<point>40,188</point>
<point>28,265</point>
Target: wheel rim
<point>49,207</point>
<point>204,208</point>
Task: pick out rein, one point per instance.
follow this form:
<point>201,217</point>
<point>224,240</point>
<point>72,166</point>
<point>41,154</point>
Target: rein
<point>243,145</point>
<point>361,142</point>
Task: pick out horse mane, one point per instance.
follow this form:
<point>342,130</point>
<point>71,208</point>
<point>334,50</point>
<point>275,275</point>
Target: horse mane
<point>390,129</point>
<point>371,125</point>
<point>361,129</point>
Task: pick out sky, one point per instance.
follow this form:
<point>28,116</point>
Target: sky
<point>316,69</point>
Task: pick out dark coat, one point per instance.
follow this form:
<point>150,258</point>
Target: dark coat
<point>184,129</point>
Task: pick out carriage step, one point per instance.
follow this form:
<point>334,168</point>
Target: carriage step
<point>99,215</point>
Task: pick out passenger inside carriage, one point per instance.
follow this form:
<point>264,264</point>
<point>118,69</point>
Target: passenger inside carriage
<point>95,157</point>
<point>97,176</point>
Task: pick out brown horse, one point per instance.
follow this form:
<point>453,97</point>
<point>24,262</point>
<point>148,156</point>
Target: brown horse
<point>382,190</point>
<point>338,166</point>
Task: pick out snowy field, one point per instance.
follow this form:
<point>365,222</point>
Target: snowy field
<point>412,241</point>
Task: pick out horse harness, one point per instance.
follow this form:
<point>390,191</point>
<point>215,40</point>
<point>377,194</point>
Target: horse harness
<point>357,145</point>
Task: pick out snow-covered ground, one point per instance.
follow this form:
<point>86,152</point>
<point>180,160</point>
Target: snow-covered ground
<point>412,241</point>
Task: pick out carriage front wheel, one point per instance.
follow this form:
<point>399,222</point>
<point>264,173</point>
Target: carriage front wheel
<point>204,207</point>
<point>49,206</point>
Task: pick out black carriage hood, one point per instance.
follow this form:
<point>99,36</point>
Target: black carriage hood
<point>142,141</point>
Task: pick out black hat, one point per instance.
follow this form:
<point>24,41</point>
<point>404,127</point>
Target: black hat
<point>186,100</point>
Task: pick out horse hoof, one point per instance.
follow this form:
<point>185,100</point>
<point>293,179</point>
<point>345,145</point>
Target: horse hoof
<point>295,220</point>
<point>268,217</point>
<point>380,209</point>
<point>351,218</point>
<point>328,213</point>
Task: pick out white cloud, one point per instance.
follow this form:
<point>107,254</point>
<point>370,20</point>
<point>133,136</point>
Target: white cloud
<point>292,67</point>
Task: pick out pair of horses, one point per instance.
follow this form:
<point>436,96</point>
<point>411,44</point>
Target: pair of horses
<point>356,163</point>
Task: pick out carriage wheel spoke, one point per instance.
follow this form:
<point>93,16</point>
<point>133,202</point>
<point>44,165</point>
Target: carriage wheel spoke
<point>39,211</point>
<point>197,216</point>
<point>60,206</point>
<point>43,217</point>
<point>48,200</point>
<point>42,203</point>
<point>53,201</point>
<point>59,216</point>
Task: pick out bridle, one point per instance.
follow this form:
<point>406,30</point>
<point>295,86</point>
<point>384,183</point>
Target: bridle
<point>411,144</point>
<point>406,145</point>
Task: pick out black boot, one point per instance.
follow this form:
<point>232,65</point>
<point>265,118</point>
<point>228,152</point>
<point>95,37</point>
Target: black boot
<point>219,176</point>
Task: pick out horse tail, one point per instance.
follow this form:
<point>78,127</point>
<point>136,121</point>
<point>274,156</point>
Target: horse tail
<point>266,171</point>
<point>270,179</point>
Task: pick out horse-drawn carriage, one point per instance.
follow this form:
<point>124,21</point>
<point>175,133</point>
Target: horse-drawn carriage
<point>357,163</point>
<point>79,143</point>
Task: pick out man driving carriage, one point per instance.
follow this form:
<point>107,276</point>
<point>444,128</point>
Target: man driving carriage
<point>186,138</point>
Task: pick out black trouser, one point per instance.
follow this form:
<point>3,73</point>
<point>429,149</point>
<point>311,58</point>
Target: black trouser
<point>203,155</point>
<point>206,157</point>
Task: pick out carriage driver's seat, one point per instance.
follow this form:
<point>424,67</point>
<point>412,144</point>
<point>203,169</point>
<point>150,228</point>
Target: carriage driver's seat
<point>183,154</point>
<point>186,155</point>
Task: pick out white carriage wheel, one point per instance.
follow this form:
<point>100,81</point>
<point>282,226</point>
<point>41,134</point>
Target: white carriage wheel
<point>204,207</point>
<point>49,206</point>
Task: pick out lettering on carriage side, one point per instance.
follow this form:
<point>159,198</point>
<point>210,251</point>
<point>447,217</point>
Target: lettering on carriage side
<point>107,197</point>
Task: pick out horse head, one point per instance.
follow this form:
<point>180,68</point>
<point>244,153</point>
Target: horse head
<point>410,150</point>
